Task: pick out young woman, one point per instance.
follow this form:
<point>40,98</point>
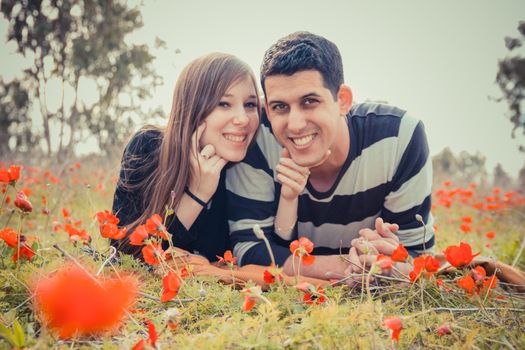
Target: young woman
<point>213,120</point>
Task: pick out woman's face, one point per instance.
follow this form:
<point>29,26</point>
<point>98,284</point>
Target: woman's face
<point>232,124</point>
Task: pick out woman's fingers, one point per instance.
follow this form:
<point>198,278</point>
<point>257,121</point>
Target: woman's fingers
<point>207,151</point>
<point>195,138</point>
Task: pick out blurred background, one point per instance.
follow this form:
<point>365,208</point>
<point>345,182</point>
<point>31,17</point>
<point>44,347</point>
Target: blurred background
<point>78,78</point>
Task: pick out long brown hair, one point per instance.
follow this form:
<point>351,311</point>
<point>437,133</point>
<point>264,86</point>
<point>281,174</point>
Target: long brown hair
<point>198,90</point>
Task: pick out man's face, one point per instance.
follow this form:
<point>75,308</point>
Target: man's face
<point>304,116</point>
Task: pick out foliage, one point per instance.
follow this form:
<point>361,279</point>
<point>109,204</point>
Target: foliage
<point>76,43</point>
<point>511,80</point>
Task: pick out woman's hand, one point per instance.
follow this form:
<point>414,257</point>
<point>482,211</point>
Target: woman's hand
<point>293,177</point>
<point>206,167</point>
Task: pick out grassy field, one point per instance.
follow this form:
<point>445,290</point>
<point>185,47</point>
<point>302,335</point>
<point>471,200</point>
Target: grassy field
<point>207,314</point>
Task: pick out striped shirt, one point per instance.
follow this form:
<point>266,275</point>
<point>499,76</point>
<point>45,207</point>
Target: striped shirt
<point>388,174</point>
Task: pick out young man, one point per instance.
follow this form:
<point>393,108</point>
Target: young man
<point>365,161</point>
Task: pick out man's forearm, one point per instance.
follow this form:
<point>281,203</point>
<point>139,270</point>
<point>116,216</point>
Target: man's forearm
<point>324,267</point>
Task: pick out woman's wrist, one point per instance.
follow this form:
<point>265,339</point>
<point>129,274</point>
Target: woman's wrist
<point>202,201</point>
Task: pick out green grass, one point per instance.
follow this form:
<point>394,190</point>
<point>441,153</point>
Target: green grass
<point>209,314</point>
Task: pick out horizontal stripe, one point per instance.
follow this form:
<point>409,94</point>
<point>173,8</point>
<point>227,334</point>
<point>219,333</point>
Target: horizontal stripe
<point>248,224</point>
<point>416,236</point>
<point>407,219</point>
<point>241,248</point>
<point>412,192</point>
<point>245,181</point>
<point>342,209</point>
<point>413,159</point>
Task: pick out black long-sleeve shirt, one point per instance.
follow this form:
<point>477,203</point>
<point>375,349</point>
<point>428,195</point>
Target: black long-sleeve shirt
<point>208,236</point>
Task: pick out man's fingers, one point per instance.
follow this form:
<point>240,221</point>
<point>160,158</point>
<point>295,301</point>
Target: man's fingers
<point>292,174</point>
<point>369,234</point>
<point>297,188</point>
<point>385,229</point>
<point>364,247</point>
<point>383,246</point>
<point>354,260</point>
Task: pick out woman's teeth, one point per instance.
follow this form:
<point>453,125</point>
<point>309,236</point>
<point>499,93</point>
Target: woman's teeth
<point>235,138</point>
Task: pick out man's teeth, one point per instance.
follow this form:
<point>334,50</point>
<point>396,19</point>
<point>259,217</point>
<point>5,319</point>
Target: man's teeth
<point>303,140</point>
<point>235,138</point>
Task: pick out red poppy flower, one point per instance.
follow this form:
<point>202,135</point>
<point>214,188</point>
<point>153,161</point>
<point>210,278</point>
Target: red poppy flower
<point>468,284</point>
<point>9,236</point>
<point>490,234</point>
<point>315,298</point>
<point>228,258</point>
<point>465,227</point>
<point>73,302</point>
<point>395,325</point>
<point>170,284</point>
<point>25,252</point>
<point>106,217</point>
<point>112,231</point>
<point>431,264</point>
<point>66,213</point>
<point>138,236</point>
<point>384,262</point>
<point>419,266</point>
<point>22,203</point>
<point>76,234</point>
<point>152,253</point>
<point>250,298</point>
<point>268,277</point>
<point>400,254</point>
<point>303,247</point>
<point>249,303</point>
<point>10,175</point>
<point>478,273</point>
<point>467,219</point>
<point>444,330</point>
<point>459,256</point>
<point>155,226</point>
<point>441,284</point>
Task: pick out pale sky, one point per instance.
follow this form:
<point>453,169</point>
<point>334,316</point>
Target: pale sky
<point>436,59</point>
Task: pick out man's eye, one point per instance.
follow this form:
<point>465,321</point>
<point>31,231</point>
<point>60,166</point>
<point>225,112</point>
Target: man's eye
<point>279,107</point>
<point>224,104</point>
<point>309,101</point>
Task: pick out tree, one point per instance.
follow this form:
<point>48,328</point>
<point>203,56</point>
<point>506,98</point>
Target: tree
<point>511,80</point>
<point>75,42</point>
<point>501,178</point>
<point>15,124</point>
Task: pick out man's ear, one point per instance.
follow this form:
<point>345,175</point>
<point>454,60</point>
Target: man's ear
<point>344,98</point>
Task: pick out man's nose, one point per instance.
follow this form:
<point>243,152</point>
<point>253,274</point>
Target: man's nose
<point>296,121</point>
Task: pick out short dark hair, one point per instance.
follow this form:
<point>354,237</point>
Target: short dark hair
<point>304,51</point>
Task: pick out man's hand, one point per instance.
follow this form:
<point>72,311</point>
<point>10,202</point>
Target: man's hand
<point>293,177</point>
<point>365,249</point>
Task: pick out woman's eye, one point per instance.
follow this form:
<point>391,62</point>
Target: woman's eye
<point>251,105</point>
<point>224,104</point>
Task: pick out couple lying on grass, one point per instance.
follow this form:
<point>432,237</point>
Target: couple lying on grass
<point>308,165</point>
